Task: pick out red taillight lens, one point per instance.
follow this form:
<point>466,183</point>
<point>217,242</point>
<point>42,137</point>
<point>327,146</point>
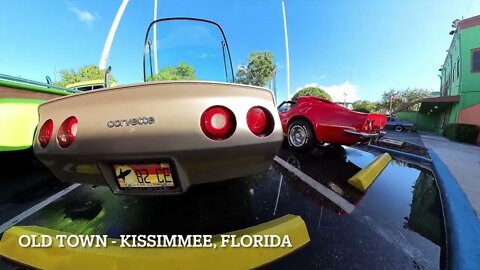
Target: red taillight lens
<point>260,121</point>
<point>67,132</point>
<point>218,123</point>
<point>45,133</point>
<point>368,125</point>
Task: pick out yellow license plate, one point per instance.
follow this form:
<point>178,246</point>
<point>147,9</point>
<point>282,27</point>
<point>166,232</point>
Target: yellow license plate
<point>152,175</point>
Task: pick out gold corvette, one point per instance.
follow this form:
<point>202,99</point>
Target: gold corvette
<point>160,137</point>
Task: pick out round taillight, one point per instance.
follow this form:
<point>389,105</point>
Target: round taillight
<point>218,123</point>
<point>45,133</point>
<point>260,121</point>
<point>67,132</point>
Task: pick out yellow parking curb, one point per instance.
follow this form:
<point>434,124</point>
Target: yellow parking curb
<point>364,178</point>
<point>116,257</point>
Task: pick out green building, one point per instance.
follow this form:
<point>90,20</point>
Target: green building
<point>459,100</point>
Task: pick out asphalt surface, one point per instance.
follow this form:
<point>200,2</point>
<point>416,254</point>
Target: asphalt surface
<point>396,224</point>
<point>411,137</point>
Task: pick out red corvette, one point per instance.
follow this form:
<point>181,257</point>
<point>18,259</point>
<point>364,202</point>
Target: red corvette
<point>311,120</point>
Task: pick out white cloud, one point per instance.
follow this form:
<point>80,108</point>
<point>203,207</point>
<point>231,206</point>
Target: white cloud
<point>200,55</point>
<point>83,15</point>
<point>337,91</point>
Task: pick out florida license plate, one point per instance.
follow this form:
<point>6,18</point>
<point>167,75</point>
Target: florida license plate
<point>152,175</point>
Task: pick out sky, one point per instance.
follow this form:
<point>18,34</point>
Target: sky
<point>360,48</point>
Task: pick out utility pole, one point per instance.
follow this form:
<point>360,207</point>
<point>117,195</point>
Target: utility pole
<point>111,35</point>
<point>286,48</point>
<point>345,100</point>
<point>274,88</point>
<point>155,36</point>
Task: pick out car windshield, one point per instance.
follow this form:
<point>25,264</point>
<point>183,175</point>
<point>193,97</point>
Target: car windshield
<point>186,49</point>
<point>286,106</point>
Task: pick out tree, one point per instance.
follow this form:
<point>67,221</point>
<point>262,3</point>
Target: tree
<point>364,106</point>
<point>182,71</point>
<point>406,99</point>
<point>411,95</point>
<point>393,96</point>
<point>312,91</point>
<point>259,70</point>
<point>85,73</point>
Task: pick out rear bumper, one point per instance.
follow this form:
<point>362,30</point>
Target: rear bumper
<point>191,167</point>
<point>364,135</point>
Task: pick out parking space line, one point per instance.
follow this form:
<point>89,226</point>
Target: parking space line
<point>325,191</point>
<point>35,208</point>
<point>278,194</point>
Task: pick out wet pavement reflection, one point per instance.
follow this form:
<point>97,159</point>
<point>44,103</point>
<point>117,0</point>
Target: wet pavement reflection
<point>396,224</point>
<point>23,186</point>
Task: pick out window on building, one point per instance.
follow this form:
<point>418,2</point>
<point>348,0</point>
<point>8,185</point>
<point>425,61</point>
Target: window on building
<point>453,72</point>
<point>458,68</point>
<point>476,60</point>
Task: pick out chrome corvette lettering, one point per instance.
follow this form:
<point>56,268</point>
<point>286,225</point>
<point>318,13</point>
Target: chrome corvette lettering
<point>131,122</point>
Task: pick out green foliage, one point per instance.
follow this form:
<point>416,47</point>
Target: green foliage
<point>259,70</point>
<point>461,133</point>
<point>403,99</point>
<point>411,95</point>
<point>387,96</point>
<point>85,73</point>
<point>312,91</point>
<point>182,71</point>
<point>364,106</point>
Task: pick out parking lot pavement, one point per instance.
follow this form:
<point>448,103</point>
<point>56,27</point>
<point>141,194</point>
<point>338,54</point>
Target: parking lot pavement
<point>396,224</point>
<point>23,188</point>
<point>463,161</point>
<point>410,137</point>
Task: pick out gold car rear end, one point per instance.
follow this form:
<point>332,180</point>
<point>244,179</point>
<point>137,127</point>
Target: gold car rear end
<point>156,127</point>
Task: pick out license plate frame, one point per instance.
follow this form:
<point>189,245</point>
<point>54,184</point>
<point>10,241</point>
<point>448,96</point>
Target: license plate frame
<point>151,174</point>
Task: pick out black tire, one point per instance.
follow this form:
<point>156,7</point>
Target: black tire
<point>302,144</point>
<point>398,128</point>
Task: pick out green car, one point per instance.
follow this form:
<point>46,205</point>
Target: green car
<point>19,101</point>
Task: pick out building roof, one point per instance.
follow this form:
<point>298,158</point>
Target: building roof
<point>437,104</point>
<point>469,22</point>
<point>462,24</point>
<point>444,99</point>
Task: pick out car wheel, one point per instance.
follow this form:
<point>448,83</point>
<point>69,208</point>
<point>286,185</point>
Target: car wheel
<point>301,135</point>
<point>398,128</point>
